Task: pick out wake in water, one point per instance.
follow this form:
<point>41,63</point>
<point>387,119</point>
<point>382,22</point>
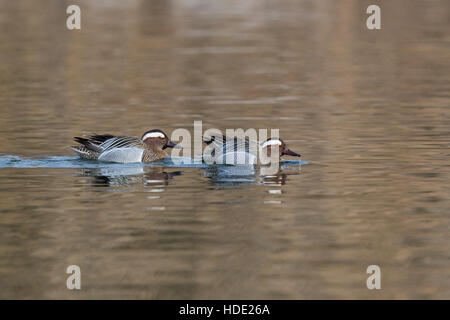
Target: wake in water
<point>11,161</point>
<point>107,173</point>
<point>121,172</point>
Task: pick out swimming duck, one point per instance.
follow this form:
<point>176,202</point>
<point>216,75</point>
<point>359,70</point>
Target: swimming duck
<point>234,150</point>
<point>106,147</point>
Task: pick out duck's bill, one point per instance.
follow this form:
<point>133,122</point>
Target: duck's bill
<point>171,144</point>
<point>288,152</point>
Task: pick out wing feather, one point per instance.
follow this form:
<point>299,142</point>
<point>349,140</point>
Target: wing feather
<point>121,142</point>
<point>231,149</point>
<point>232,144</point>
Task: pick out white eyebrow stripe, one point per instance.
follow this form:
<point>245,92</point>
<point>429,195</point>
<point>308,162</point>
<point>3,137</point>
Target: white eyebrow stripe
<point>271,143</point>
<point>153,135</point>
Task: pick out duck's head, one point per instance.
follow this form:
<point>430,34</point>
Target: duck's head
<point>157,139</point>
<point>267,145</point>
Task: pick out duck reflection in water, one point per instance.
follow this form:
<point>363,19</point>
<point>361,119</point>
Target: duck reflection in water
<point>218,175</point>
<point>250,175</point>
<point>117,176</point>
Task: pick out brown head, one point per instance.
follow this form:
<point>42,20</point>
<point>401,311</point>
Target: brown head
<point>267,145</point>
<point>156,139</point>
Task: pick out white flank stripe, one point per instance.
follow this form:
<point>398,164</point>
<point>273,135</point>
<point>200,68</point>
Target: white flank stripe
<point>271,143</point>
<point>153,135</point>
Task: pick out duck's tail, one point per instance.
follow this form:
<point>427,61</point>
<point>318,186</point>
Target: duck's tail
<point>89,148</point>
<point>208,140</point>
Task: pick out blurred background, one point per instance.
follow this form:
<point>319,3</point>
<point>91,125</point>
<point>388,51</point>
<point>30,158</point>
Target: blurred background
<point>368,109</point>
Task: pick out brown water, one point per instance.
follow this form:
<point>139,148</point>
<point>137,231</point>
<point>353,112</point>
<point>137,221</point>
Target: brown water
<point>367,109</point>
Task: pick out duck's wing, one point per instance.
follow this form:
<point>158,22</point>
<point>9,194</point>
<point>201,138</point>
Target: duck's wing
<point>122,149</point>
<point>229,144</point>
<point>106,147</point>
<point>103,142</point>
<point>230,150</point>
<point>119,142</point>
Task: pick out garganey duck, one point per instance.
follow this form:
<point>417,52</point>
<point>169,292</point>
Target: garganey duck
<point>106,147</point>
<point>225,150</point>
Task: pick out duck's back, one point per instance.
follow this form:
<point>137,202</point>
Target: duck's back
<point>232,151</point>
